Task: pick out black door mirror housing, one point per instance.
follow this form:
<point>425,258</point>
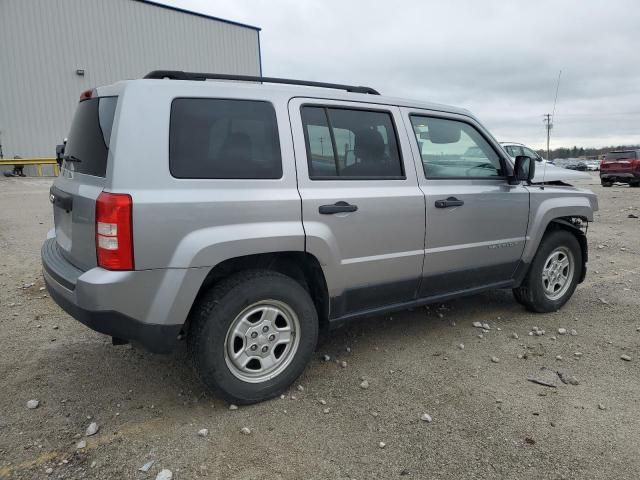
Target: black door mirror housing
<point>525,169</point>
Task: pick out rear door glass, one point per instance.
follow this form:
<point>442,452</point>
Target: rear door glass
<point>89,137</point>
<point>348,144</point>
<point>218,138</point>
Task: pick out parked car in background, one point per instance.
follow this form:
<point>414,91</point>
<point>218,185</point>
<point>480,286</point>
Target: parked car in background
<point>593,165</point>
<point>621,166</point>
<point>516,149</point>
<point>546,171</point>
<point>581,167</point>
<point>572,164</point>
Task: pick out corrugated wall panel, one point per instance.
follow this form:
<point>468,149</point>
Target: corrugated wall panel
<point>43,42</point>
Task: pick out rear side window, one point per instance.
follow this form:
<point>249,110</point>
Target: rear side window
<point>215,138</point>
<point>351,144</point>
<point>90,134</point>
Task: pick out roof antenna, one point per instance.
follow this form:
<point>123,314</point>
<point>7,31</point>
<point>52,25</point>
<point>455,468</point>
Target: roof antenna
<point>548,120</point>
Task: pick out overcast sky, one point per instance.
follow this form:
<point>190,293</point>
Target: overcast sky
<point>499,59</point>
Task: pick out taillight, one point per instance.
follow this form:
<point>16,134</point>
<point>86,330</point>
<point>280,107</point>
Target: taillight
<point>86,95</point>
<point>114,231</point>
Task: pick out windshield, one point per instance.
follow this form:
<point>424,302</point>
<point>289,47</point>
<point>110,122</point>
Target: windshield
<point>514,150</point>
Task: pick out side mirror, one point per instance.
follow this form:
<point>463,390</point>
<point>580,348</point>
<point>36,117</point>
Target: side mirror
<point>525,169</point>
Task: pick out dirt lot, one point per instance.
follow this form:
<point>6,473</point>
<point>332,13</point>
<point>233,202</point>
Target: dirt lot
<point>488,421</point>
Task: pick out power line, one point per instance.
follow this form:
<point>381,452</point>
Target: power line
<point>556,99</point>
<point>550,117</point>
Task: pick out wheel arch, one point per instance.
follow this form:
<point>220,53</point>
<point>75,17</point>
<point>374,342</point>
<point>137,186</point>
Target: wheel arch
<point>577,226</point>
<point>303,267</point>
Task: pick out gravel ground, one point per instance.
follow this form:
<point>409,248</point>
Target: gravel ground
<point>488,420</point>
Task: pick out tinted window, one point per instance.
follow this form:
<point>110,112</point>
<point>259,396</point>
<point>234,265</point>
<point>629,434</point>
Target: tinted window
<point>212,138</point>
<point>351,144</point>
<point>90,134</point>
<point>629,155</point>
<point>452,149</point>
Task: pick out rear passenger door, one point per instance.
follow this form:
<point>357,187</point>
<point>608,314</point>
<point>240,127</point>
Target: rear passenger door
<point>476,221</point>
<point>362,210</point>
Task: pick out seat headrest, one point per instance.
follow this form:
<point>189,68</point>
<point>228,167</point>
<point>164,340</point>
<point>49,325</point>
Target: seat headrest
<point>369,145</point>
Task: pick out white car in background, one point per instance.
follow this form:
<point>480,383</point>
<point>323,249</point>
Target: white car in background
<point>593,165</point>
<point>545,171</point>
<point>516,149</point>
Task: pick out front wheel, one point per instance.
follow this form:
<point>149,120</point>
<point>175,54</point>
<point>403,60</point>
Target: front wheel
<point>252,335</point>
<point>606,183</point>
<point>553,275</point>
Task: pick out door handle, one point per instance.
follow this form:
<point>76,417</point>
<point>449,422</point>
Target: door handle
<point>338,207</point>
<point>449,202</point>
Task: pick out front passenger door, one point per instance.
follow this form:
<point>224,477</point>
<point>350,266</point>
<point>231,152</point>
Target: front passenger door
<point>476,221</point>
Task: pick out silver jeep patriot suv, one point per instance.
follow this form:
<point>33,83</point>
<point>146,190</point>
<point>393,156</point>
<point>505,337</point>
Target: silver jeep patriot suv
<point>250,214</point>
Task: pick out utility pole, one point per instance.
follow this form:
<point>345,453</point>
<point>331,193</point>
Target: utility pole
<point>549,125</point>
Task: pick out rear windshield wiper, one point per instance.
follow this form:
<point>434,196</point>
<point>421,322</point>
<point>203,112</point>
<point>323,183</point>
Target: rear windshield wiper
<point>71,158</point>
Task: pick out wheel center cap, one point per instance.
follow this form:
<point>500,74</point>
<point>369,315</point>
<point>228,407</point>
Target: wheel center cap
<point>258,336</point>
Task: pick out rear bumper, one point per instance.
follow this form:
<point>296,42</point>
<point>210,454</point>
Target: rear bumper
<point>626,177</point>
<point>153,337</point>
<point>148,307</point>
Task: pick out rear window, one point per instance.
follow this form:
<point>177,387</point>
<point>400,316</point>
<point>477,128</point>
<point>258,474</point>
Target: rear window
<point>90,134</point>
<point>628,155</point>
<point>215,138</point>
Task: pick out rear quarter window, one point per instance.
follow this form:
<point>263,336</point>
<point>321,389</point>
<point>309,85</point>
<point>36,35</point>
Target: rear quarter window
<point>90,135</point>
<point>224,139</point>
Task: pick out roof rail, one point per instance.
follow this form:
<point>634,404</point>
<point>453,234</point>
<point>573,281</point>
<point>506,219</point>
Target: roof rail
<point>180,75</point>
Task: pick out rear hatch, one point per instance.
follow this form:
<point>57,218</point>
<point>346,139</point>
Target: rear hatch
<point>619,162</point>
<point>82,179</point>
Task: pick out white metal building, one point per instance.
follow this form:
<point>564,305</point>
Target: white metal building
<point>52,50</point>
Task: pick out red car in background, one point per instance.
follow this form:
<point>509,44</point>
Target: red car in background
<point>621,166</point>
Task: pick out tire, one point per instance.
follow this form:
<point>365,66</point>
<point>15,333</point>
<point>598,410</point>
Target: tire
<point>222,325</point>
<point>604,183</point>
<point>532,294</point>
<point>635,184</point>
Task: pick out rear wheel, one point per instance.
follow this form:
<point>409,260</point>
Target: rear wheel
<point>635,184</point>
<point>606,183</point>
<point>553,275</point>
<point>252,335</point>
